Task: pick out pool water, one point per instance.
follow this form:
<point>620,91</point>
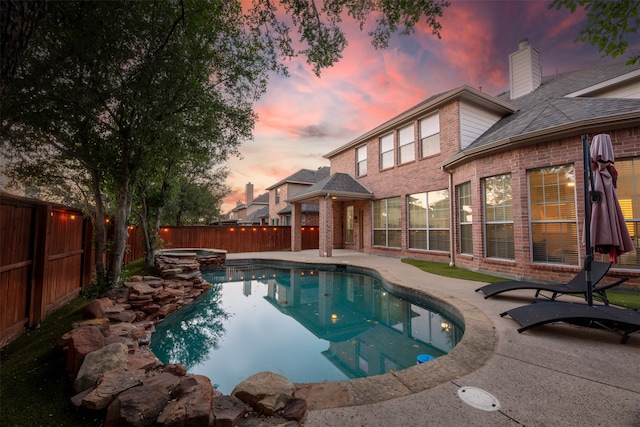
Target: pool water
<point>308,325</point>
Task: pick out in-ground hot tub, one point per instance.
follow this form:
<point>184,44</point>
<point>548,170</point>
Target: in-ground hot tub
<point>207,257</point>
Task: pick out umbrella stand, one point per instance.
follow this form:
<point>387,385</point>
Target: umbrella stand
<point>588,183</point>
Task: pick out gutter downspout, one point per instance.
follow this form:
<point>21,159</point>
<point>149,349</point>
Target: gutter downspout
<point>452,251</point>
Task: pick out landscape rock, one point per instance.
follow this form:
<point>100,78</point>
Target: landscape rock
<point>228,410</point>
<point>98,362</point>
<point>111,384</point>
<point>192,407</point>
<point>296,410</point>
<point>266,391</point>
<point>137,406</point>
<point>82,341</point>
<point>97,308</point>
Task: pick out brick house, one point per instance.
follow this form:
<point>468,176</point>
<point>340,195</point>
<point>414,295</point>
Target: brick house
<point>488,183</point>
<point>280,210</point>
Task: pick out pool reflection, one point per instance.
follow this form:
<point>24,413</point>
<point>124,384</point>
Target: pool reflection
<point>370,330</point>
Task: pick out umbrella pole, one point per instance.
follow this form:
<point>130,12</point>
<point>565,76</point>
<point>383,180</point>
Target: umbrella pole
<point>588,178</point>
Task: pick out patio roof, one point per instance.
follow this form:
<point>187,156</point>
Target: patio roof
<point>340,186</point>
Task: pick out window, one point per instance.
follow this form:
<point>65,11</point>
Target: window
<point>277,195</point>
<point>406,145</point>
<point>430,136</point>
<point>552,204</point>
<point>287,220</point>
<point>429,220</point>
<point>348,229</point>
<point>386,151</point>
<point>629,198</point>
<point>498,210</point>
<point>361,160</point>
<point>465,219</point>
<point>387,222</point>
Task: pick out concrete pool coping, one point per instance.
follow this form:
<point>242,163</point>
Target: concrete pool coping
<point>560,375</point>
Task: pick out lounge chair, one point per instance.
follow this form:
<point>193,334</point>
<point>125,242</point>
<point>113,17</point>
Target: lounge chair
<point>529,316</point>
<point>577,285</point>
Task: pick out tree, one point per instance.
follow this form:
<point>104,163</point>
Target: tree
<point>118,92</point>
<point>116,88</point>
<point>609,24</point>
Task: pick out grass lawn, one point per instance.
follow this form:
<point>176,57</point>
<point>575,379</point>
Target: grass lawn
<point>627,299</point>
<point>34,387</point>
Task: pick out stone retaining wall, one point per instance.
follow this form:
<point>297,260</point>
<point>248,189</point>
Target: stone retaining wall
<point>114,371</point>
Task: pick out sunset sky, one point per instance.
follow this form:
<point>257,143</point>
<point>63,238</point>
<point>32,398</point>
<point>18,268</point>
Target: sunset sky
<point>303,117</point>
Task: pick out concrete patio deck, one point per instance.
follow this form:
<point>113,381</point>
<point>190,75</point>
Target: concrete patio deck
<point>554,375</point>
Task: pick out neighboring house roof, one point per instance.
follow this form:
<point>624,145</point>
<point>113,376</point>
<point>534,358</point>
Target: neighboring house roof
<point>304,176</point>
<point>239,207</point>
<point>338,185</point>
<point>261,199</point>
<point>254,218</point>
<point>306,208</point>
<point>554,110</point>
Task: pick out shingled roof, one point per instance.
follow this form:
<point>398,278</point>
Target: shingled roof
<point>304,176</point>
<point>338,185</point>
<point>553,110</point>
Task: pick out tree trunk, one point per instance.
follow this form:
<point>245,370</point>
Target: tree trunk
<point>120,234</point>
<point>98,225</point>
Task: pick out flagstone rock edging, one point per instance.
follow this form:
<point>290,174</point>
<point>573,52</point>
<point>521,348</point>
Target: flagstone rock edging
<point>113,370</point>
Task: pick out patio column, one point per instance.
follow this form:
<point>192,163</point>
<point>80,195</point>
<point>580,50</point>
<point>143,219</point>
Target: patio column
<point>325,235</point>
<point>296,227</point>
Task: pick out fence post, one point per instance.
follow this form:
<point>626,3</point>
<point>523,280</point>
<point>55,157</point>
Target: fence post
<point>41,227</point>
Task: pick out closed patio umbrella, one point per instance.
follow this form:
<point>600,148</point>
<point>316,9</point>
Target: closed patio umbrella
<point>609,233</point>
<point>605,230</point>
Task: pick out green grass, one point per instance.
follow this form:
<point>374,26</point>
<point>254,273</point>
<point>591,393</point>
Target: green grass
<point>34,387</point>
<point>446,270</point>
<point>622,299</point>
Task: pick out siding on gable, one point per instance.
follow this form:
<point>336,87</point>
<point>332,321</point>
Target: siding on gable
<point>474,121</point>
<point>631,91</point>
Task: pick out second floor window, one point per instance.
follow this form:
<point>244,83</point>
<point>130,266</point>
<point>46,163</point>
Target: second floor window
<point>406,145</point>
<point>277,195</point>
<point>361,160</point>
<point>386,151</point>
<point>430,136</point>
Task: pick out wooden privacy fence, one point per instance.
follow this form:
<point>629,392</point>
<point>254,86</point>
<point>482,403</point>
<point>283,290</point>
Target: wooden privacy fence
<point>233,239</point>
<point>45,261</point>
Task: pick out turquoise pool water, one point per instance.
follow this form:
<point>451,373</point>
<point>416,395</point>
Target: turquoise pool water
<point>310,325</point>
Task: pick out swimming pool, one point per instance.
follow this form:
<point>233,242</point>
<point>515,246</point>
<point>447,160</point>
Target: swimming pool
<point>308,323</point>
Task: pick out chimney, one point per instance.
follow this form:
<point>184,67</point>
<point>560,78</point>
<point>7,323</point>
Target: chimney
<point>525,72</point>
<point>249,193</point>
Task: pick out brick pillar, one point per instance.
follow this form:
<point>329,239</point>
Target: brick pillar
<point>326,227</point>
<point>296,226</point>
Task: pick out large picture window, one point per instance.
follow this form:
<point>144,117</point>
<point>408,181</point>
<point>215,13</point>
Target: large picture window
<point>498,209</point>
<point>629,198</point>
<point>552,205</point>
<point>387,222</point>
<point>361,160</point>
<point>429,220</point>
<point>465,219</point>
<point>430,136</point>
<point>406,145</point>
<point>386,151</point>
